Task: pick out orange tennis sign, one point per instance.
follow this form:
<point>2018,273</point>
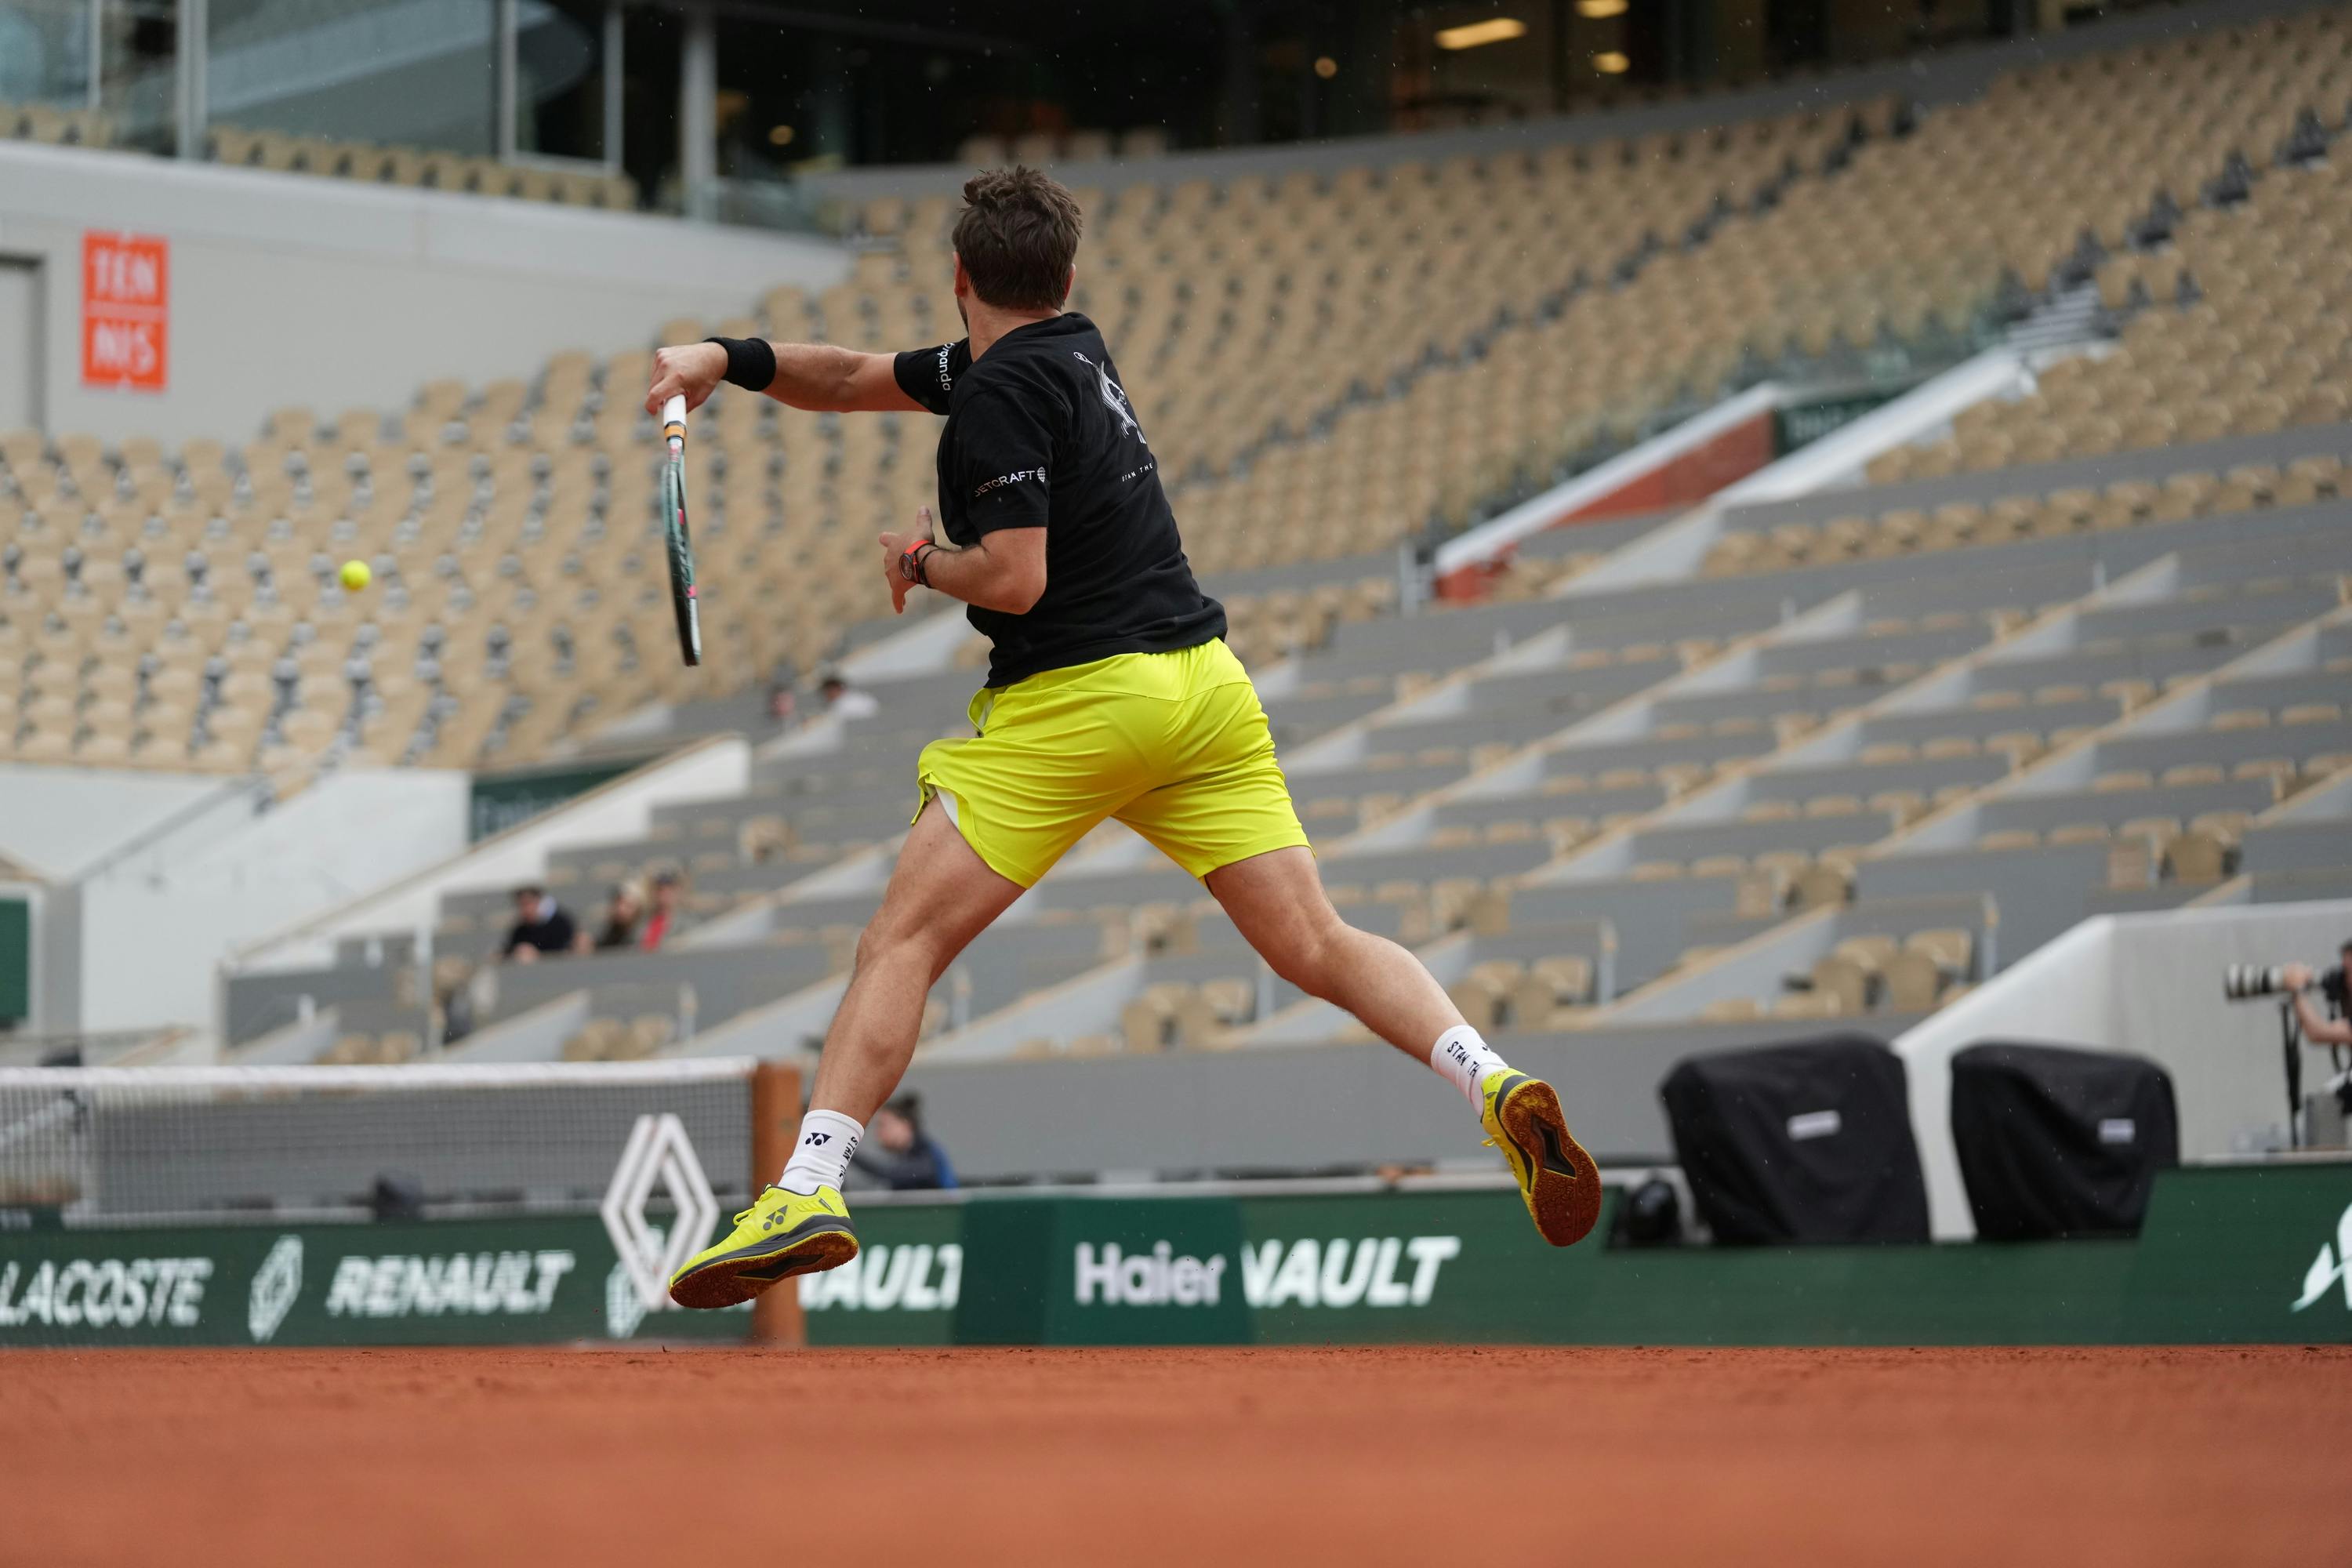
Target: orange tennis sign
<point>126,310</point>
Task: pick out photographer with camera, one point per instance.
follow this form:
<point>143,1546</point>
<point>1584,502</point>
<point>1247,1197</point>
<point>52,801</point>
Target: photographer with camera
<point>2293,985</point>
<point>2303,981</point>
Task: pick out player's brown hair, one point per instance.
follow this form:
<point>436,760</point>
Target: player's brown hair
<point>1017,237</point>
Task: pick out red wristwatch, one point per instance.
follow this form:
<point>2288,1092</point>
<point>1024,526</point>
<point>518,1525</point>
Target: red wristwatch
<point>910,561</point>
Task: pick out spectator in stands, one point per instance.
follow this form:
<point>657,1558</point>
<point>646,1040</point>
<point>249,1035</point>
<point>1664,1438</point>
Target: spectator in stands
<point>2318,1028</point>
<point>845,702</point>
<point>899,1154</point>
<point>623,920</point>
<point>782,703</point>
<point>542,928</point>
<point>667,889</point>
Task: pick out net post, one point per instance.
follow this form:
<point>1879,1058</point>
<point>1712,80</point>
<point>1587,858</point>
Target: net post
<point>776,1317</point>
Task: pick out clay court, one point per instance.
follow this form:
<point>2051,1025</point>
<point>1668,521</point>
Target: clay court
<point>462,1458</point>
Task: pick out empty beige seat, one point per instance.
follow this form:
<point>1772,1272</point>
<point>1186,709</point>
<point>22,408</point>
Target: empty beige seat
<point>2197,857</point>
<point>1909,981</point>
<point>1842,981</point>
<point>1870,951</point>
<point>1148,1022</point>
<point>1809,1004</point>
<point>1550,987</point>
<point>1952,948</point>
<point>1824,883</point>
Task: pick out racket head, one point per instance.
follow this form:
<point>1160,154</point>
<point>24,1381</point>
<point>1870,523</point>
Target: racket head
<point>678,550</point>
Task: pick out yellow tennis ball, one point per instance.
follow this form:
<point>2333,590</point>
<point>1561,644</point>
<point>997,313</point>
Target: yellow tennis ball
<point>355,576</point>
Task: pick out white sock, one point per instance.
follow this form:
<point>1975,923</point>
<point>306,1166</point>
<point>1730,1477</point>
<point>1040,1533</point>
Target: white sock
<point>821,1158</point>
<point>1464,1060</point>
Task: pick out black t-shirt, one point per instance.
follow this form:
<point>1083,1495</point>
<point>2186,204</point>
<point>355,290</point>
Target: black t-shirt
<point>1040,435</point>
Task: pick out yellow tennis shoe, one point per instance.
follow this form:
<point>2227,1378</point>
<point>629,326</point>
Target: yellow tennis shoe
<point>784,1233</point>
<point>1557,1177</point>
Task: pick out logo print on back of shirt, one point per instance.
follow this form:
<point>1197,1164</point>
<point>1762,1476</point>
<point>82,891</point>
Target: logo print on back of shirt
<point>1114,398</point>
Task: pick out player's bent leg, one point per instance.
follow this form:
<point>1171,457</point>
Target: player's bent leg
<point>941,895</point>
<point>1276,901</point>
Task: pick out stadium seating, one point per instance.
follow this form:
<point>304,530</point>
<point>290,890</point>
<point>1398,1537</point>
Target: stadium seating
<point>1299,413</point>
<point>1811,776</point>
<point>58,126</point>
<point>572,186</point>
<point>365,160</point>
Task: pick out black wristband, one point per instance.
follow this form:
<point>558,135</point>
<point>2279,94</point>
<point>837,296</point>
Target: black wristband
<point>923,553</point>
<point>751,362</point>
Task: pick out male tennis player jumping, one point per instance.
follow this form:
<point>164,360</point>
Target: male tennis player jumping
<point>1110,693</point>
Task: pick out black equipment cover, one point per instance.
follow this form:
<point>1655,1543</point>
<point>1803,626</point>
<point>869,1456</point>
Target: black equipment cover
<point>2059,1142</point>
<point>1809,1141</point>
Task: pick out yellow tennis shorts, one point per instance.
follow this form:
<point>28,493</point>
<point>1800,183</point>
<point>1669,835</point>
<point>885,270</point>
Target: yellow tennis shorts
<point>1174,745</point>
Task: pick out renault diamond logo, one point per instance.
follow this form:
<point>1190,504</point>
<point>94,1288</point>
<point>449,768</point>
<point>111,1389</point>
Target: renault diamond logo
<point>658,1151</point>
<point>274,1285</point>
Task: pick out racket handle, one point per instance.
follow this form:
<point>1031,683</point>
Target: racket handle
<point>674,418</point>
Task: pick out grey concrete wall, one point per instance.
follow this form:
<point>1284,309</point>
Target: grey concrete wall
<point>1295,1108</point>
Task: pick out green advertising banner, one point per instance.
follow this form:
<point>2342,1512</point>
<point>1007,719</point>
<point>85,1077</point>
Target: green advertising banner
<point>902,1287</point>
<point>500,801</point>
<point>2252,1255</point>
<point>1801,424</point>
<point>2255,1255</point>
<point>512,1281</point>
<point>1152,1272</point>
<point>16,960</point>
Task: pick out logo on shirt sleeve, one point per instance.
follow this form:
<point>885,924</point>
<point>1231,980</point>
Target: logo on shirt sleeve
<point>1016,476</point>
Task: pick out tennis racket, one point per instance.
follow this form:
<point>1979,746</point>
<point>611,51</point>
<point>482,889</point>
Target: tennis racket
<point>680,543</point>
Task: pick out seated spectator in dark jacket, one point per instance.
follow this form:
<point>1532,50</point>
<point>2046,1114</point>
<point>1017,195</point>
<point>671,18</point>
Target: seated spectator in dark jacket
<point>541,929</point>
<point>899,1154</point>
<point>624,922</point>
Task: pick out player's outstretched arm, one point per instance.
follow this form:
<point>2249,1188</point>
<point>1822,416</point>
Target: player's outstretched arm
<point>816,376</point>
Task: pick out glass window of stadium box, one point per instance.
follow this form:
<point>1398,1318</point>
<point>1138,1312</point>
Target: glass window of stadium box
<point>567,76</point>
<point>89,73</point>
<point>354,88</point>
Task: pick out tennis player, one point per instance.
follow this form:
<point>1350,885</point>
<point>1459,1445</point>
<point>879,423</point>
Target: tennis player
<point>1110,693</point>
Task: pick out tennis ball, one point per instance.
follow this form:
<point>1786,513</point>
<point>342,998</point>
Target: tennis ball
<point>355,576</point>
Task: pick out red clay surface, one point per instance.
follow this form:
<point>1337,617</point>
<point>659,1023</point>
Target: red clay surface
<point>1632,1458</point>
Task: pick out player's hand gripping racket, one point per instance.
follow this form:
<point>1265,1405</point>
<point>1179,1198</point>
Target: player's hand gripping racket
<point>675,535</point>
